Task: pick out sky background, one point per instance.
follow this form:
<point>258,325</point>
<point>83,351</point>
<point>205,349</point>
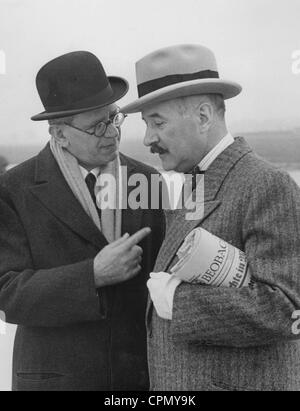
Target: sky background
<point>253,40</point>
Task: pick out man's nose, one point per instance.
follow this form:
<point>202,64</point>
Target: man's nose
<point>150,138</point>
<point>111,131</point>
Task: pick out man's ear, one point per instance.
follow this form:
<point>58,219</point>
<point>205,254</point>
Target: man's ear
<point>57,133</point>
<point>205,115</point>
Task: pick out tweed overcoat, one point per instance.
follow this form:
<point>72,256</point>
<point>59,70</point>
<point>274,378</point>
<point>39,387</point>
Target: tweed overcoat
<point>235,339</point>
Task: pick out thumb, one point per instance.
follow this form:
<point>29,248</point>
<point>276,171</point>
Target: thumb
<point>159,276</point>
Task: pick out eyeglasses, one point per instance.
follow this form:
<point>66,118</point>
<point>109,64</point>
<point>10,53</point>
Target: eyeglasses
<point>100,129</point>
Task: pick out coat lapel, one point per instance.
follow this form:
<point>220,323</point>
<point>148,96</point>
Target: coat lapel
<point>53,192</point>
<point>177,233</point>
<point>214,178</point>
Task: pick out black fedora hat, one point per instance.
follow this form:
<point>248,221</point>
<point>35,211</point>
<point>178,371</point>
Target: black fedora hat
<point>76,83</point>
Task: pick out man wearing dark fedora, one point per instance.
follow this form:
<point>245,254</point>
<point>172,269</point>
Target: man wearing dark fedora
<point>219,338</point>
<point>72,272</point>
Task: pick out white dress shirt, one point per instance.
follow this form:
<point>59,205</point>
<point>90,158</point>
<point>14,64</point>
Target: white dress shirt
<point>162,286</point>
<point>215,152</point>
<point>85,172</point>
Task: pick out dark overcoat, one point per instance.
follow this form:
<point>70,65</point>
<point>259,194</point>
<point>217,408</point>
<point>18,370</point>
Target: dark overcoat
<point>70,337</point>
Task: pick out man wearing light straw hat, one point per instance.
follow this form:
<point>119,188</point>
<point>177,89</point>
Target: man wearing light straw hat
<point>71,277</point>
<point>219,338</point>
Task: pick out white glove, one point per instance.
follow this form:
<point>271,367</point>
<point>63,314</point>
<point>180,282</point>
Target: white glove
<point>162,287</point>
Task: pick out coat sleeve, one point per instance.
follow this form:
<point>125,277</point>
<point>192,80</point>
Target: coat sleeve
<point>44,298</point>
<point>263,315</point>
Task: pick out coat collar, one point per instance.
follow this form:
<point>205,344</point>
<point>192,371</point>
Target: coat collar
<point>52,190</point>
<point>215,177</point>
<point>46,166</point>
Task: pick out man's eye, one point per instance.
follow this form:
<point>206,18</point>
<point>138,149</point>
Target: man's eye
<point>161,124</point>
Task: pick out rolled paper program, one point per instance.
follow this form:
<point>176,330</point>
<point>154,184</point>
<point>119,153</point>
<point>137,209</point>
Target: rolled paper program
<point>208,260</point>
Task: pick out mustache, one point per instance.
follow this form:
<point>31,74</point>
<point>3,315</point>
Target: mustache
<point>156,149</point>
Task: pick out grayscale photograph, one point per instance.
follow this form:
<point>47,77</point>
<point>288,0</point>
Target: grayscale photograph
<point>149,198</point>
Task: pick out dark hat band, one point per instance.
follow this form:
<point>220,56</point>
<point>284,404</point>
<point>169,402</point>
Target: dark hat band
<point>92,101</point>
<point>156,84</point>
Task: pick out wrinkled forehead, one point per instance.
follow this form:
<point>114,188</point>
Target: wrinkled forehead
<point>94,116</point>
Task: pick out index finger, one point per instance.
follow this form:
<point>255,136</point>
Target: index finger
<point>120,241</point>
<point>137,237</point>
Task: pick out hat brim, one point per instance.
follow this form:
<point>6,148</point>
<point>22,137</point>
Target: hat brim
<point>119,86</point>
<point>226,88</point>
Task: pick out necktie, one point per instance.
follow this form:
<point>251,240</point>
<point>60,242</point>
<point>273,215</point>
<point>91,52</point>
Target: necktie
<point>91,183</point>
<point>186,191</point>
<point>195,172</point>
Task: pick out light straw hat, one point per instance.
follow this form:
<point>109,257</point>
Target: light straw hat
<point>178,71</point>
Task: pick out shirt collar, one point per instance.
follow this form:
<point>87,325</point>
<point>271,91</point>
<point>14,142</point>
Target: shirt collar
<point>96,171</point>
<point>215,152</point>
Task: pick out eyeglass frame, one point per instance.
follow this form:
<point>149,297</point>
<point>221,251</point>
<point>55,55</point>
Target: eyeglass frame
<point>105,123</point>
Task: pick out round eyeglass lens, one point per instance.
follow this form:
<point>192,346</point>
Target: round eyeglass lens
<point>100,129</point>
<point>118,119</point>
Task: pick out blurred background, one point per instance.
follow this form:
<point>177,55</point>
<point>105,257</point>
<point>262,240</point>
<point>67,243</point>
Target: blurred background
<point>254,42</point>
